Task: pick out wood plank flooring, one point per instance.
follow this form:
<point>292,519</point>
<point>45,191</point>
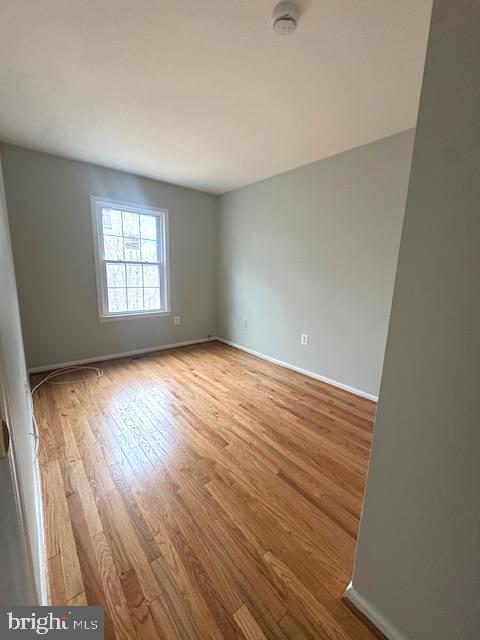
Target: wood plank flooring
<point>202,493</point>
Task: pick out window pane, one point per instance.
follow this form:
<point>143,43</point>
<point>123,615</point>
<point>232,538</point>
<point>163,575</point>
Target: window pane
<point>150,276</point>
<point>131,224</point>
<point>112,222</point>
<point>148,227</point>
<point>134,275</point>
<point>135,299</point>
<point>149,251</point>
<point>132,249</point>
<point>152,298</point>
<point>113,248</point>
<point>115,275</point>
<point>117,300</point>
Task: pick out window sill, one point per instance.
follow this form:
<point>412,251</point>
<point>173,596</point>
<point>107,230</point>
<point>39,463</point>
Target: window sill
<point>134,316</point>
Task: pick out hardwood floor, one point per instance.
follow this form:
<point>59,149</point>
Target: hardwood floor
<point>202,493</point>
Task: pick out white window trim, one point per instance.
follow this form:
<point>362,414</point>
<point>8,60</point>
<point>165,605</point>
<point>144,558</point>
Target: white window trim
<point>97,203</point>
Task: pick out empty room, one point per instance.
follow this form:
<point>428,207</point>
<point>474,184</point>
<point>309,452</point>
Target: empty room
<point>239,319</point>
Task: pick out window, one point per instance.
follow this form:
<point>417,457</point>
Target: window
<point>131,259</point>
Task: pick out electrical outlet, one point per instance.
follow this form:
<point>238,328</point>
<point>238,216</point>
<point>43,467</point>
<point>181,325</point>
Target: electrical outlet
<point>177,320</point>
<point>304,338</point>
<point>244,324</point>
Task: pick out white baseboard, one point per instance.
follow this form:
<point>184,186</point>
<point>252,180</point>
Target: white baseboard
<point>373,614</point>
<point>42,588</point>
<point>114,356</point>
<point>310,374</point>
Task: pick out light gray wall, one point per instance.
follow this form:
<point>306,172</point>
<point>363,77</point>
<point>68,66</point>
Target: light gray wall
<point>314,251</point>
<point>49,206</point>
<point>418,556</point>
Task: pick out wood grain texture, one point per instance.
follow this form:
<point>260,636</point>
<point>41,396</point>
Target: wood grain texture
<point>204,493</point>
<point>248,624</point>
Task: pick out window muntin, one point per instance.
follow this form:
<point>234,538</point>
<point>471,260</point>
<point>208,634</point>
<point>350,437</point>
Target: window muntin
<point>132,267</point>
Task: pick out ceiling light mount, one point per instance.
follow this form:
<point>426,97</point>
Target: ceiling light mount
<point>285,18</point>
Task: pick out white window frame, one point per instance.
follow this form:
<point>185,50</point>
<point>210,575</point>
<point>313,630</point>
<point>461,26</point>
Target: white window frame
<point>97,204</point>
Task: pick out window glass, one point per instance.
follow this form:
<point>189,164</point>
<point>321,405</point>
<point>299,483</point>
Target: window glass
<point>148,227</point>
<point>115,275</point>
<point>117,300</point>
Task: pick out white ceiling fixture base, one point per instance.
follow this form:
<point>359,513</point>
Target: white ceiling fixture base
<point>285,18</point>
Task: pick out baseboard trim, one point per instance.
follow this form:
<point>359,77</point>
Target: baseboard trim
<point>42,591</point>
<point>114,356</point>
<point>305,372</point>
<point>373,614</point>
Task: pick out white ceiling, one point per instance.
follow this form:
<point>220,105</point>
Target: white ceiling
<point>202,92</point>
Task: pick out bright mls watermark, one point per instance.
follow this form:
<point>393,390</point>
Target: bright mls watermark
<point>60,622</point>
